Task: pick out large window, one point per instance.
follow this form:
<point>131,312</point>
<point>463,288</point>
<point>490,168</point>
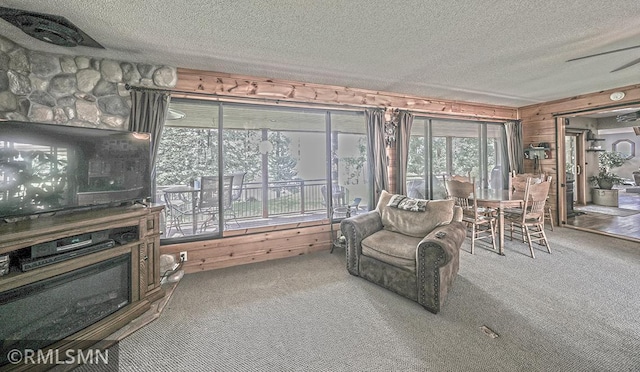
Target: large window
<point>224,167</point>
<point>349,168</point>
<point>445,147</point>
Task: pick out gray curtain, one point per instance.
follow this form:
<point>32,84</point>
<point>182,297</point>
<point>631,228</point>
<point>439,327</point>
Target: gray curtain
<point>376,155</point>
<point>148,112</point>
<point>403,136</point>
<point>512,150</point>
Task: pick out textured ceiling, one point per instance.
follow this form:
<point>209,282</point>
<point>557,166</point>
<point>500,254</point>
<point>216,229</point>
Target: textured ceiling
<point>506,52</point>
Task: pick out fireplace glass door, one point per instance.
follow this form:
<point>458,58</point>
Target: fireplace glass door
<point>41,313</point>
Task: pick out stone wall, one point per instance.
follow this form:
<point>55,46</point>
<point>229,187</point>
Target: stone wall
<point>71,90</point>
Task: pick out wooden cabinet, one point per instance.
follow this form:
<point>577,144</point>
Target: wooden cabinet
<point>143,246</point>
<point>134,233</point>
<point>150,255</point>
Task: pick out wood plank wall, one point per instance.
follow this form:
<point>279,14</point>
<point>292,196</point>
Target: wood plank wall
<point>539,125</point>
<point>241,247</point>
<point>247,246</point>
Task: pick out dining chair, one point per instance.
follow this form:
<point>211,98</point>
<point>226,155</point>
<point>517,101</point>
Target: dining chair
<point>548,215</point>
<point>177,211</point>
<point>237,184</point>
<point>338,193</point>
<point>209,203</point>
<point>464,195</point>
<point>454,177</point>
<point>353,206</point>
<point>530,220</point>
<point>518,182</point>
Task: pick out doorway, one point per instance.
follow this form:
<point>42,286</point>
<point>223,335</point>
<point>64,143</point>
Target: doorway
<point>576,181</point>
<point>587,136</point>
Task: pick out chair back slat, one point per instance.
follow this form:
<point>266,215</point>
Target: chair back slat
<point>464,195</point>
<point>209,191</point>
<point>531,217</point>
<point>518,181</point>
<point>455,177</point>
<point>237,184</point>
<point>535,200</point>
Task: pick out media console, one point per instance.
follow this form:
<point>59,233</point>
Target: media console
<point>52,247</point>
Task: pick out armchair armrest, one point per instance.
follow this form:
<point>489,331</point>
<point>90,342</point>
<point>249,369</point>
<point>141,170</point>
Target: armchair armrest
<point>437,263</point>
<point>355,229</point>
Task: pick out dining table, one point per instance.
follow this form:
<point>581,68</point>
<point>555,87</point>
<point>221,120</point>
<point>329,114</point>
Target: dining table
<point>499,200</point>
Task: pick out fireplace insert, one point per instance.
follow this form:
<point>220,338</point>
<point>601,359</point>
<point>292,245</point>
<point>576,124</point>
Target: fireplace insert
<point>41,313</point>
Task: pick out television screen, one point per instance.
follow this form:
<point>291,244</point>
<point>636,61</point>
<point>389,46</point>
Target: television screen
<point>47,168</point>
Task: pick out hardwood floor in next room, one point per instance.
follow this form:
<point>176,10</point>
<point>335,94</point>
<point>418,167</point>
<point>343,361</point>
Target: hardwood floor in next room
<point>626,225</point>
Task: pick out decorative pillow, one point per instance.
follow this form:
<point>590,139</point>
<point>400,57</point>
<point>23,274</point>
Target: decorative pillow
<point>408,204</point>
<point>416,224</point>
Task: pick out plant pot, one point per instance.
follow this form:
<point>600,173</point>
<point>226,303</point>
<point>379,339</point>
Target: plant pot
<point>605,184</point>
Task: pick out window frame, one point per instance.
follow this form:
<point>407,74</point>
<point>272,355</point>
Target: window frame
<point>220,127</point>
<point>483,148</point>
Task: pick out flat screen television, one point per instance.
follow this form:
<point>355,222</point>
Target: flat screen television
<point>48,168</point>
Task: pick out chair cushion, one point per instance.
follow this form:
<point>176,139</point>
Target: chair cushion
<point>392,248</point>
<point>415,224</point>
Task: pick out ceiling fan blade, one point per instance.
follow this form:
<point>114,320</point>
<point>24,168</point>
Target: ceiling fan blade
<point>603,53</point>
<point>635,61</point>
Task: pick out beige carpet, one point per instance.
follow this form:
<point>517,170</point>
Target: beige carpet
<point>574,310</point>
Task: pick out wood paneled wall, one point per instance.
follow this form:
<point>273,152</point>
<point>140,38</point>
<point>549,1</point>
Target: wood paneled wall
<point>247,246</point>
<point>240,247</point>
<point>539,125</point>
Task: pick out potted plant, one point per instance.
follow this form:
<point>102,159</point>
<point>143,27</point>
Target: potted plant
<point>605,179</point>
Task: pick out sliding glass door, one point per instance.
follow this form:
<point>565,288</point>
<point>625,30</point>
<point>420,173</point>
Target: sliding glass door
<point>453,147</point>
<point>262,165</point>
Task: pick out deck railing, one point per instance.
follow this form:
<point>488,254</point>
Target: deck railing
<point>283,197</point>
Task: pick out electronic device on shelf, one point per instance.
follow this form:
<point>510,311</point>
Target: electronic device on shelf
<point>68,244</point>
<point>124,235</point>
<point>27,264</point>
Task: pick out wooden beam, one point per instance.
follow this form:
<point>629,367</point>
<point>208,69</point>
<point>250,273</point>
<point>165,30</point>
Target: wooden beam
<point>585,102</point>
<point>236,86</point>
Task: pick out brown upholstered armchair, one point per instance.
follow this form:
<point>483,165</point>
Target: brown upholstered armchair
<point>410,251</point>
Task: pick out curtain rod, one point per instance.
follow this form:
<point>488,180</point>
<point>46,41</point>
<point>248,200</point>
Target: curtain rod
<point>128,86</point>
